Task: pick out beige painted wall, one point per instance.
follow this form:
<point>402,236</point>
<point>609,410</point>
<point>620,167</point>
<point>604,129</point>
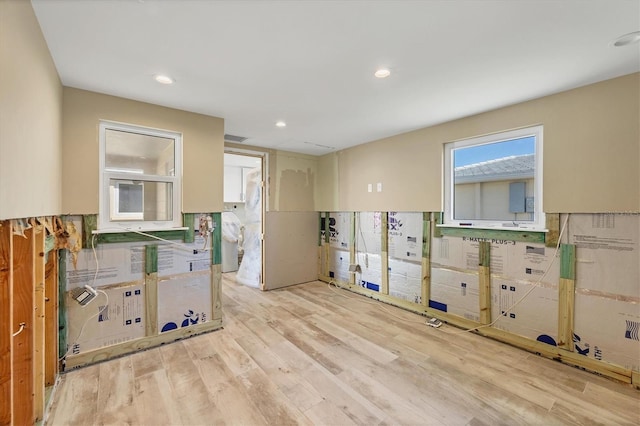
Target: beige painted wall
<point>591,155</point>
<point>291,179</point>
<point>30,117</point>
<point>296,181</point>
<point>202,148</point>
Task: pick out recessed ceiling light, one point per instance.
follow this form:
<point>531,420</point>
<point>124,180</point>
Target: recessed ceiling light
<point>382,73</point>
<point>163,79</point>
<point>627,39</point>
<point>281,124</point>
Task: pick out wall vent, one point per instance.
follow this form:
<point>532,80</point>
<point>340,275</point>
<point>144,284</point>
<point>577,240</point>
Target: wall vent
<point>234,138</point>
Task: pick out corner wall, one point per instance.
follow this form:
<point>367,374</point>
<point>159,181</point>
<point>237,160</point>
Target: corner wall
<point>30,117</point>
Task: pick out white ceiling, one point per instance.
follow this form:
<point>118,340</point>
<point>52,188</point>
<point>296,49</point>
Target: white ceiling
<point>311,63</point>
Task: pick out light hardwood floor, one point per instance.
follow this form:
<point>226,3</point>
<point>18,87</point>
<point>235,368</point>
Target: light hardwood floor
<point>313,355</point>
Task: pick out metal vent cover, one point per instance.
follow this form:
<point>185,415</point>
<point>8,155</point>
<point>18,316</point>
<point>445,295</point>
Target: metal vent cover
<point>234,138</point>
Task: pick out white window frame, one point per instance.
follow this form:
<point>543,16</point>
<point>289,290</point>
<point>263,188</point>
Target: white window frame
<point>538,222</point>
<point>114,204</point>
<point>124,221</point>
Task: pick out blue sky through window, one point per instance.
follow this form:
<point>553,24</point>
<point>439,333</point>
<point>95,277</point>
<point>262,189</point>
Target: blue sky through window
<point>492,151</point>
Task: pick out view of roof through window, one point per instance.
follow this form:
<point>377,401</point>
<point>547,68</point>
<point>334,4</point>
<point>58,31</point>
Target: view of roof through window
<point>493,151</point>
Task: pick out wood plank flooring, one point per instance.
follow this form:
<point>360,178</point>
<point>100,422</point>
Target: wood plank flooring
<point>311,354</point>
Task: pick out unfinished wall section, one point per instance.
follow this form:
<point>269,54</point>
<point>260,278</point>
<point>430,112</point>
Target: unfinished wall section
<point>149,291</point>
<point>576,299</point>
<point>28,316</point>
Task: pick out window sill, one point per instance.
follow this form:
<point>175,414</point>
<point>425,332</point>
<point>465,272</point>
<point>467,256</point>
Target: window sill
<point>128,235</point>
<point>493,233</point>
<point>129,229</point>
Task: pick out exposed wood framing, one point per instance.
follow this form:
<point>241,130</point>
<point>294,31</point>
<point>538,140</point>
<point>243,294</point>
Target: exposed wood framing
<point>484,279</point>
<point>384,253</point>
<point>566,296</point>
<point>6,323</point>
<point>553,229</point>
<point>51,318</point>
<point>352,245</point>
<point>216,270</point>
<point>39,319</point>
<point>500,234</point>
<point>216,293</point>
<point>23,342</point>
<point>188,220</point>
<point>131,237</point>
<point>62,308</point>
<point>89,224</point>
<point>437,219</point>
<point>563,352</point>
<point>325,243</point>
<point>426,258</point>
<point>319,260</point>
<point>151,289</point>
<point>135,345</point>
<point>152,336</point>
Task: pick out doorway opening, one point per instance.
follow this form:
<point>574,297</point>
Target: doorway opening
<point>243,216</point>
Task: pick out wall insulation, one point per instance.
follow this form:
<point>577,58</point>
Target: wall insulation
<point>599,311</point>
<point>133,302</point>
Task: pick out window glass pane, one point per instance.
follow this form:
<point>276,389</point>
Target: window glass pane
<point>139,154</point>
<point>495,181</point>
<point>135,200</point>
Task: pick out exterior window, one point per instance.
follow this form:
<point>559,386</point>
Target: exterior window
<point>495,181</point>
<point>140,171</point>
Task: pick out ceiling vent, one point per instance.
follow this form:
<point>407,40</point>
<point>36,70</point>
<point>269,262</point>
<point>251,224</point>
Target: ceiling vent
<point>234,138</point>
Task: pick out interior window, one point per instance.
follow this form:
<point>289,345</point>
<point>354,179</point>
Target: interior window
<point>140,177</point>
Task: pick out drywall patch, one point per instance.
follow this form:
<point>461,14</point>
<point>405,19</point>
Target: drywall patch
<point>295,190</point>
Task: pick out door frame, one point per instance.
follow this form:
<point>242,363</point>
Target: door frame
<point>264,156</point>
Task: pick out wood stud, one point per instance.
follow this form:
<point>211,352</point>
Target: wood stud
<point>6,317</point>
<point>484,280</point>
<point>566,296</point>
<point>23,343</point>
<point>39,319</point>
<point>384,253</point>
<point>564,350</point>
